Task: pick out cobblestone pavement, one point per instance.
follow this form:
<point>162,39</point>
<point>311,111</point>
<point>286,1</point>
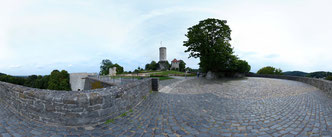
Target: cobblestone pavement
<point>199,107</point>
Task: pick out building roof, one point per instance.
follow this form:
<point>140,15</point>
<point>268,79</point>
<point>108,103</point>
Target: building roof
<point>174,60</point>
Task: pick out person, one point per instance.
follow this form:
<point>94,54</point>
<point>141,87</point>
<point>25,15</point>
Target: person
<point>197,74</point>
<point>185,74</point>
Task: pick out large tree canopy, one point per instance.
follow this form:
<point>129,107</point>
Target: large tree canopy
<point>209,41</point>
<point>106,64</point>
<point>59,80</point>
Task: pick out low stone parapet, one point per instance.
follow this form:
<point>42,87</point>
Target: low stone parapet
<point>321,84</point>
<point>74,108</point>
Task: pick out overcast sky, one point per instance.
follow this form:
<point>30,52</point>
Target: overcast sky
<point>38,36</point>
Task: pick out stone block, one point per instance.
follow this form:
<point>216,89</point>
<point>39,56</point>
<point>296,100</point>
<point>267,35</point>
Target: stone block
<point>95,98</point>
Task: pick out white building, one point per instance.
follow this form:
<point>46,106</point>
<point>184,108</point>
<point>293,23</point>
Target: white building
<point>175,64</point>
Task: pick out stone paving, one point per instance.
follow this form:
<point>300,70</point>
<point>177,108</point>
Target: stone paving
<point>202,108</point>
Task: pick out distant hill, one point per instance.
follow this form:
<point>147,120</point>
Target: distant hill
<point>2,74</point>
<point>295,73</point>
<point>319,74</point>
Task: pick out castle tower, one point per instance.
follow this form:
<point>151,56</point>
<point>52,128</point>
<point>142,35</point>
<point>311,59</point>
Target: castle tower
<point>162,54</point>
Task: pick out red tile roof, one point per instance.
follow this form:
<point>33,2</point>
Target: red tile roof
<point>174,60</point>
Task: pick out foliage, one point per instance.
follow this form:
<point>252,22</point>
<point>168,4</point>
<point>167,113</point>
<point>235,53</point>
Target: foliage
<point>37,81</point>
<point>153,65</point>
<point>106,64</point>
<point>241,66</point>
<point>163,77</point>
<point>182,66</point>
<point>269,70</point>
<point>319,74</point>
<point>12,79</point>
<point>296,73</point>
<point>138,70</point>
<point>119,69</point>
<point>147,67</point>
<point>329,78</point>
<point>209,41</point>
<point>59,80</point>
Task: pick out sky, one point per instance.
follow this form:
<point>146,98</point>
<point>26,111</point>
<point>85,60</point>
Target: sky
<point>38,36</point>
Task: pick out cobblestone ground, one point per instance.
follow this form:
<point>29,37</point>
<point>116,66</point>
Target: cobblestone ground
<point>199,107</point>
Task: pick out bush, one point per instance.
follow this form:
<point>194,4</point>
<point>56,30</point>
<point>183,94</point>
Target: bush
<point>270,70</point>
<point>329,78</point>
<point>59,80</point>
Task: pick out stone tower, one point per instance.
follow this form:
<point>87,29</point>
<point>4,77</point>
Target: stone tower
<point>162,54</point>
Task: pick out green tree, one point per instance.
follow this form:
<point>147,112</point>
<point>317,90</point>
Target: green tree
<point>31,81</point>
<point>106,64</point>
<point>269,70</point>
<point>182,66</point>
<point>329,78</point>
<point>153,65</point>
<point>147,66</point>
<point>242,66</point>
<point>209,41</point>
<point>119,69</point>
<point>59,80</point>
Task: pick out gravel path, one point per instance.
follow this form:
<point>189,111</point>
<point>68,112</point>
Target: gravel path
<point>199,107</point>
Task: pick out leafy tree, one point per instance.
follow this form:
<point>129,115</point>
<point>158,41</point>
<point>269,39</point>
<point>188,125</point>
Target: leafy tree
<point>119,69</point>
<point>153,65</point>
<point>329,78</point>
<point>30,81</point>
<point>242,66</point>
<point>59,80</point>
<point>106,64</point>
<point>269,70</point>
<point>319,74</point>
<point>182,66</point>
<point>209,41</point>
<point>147,66</point>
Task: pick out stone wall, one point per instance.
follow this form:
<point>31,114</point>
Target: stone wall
<point>73,108</point>
<point>323,85</point>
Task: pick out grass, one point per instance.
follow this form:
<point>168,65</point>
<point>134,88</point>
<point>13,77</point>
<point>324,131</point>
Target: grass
<point>162,77</point>
<point>166,73</point>
<point>123,114</point>
<point>144,97</point>
<point>120,116</point>
<point>110,121</point>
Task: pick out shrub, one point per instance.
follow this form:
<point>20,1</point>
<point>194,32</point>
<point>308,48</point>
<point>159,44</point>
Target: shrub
<point>329,78</point>
<point>269,70</point>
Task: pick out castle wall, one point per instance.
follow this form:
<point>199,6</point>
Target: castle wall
<point>77,80</point>
<point>73,108</point>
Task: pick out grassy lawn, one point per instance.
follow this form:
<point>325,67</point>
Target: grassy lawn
<point>163,77</point>
<point>138,77</point>
<point>172,72</point>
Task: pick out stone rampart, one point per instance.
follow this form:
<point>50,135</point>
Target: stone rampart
<point>74,108</point>
<point>323,85</point>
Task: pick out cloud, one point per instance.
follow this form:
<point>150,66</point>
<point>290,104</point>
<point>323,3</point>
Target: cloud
<point>15,66</point>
